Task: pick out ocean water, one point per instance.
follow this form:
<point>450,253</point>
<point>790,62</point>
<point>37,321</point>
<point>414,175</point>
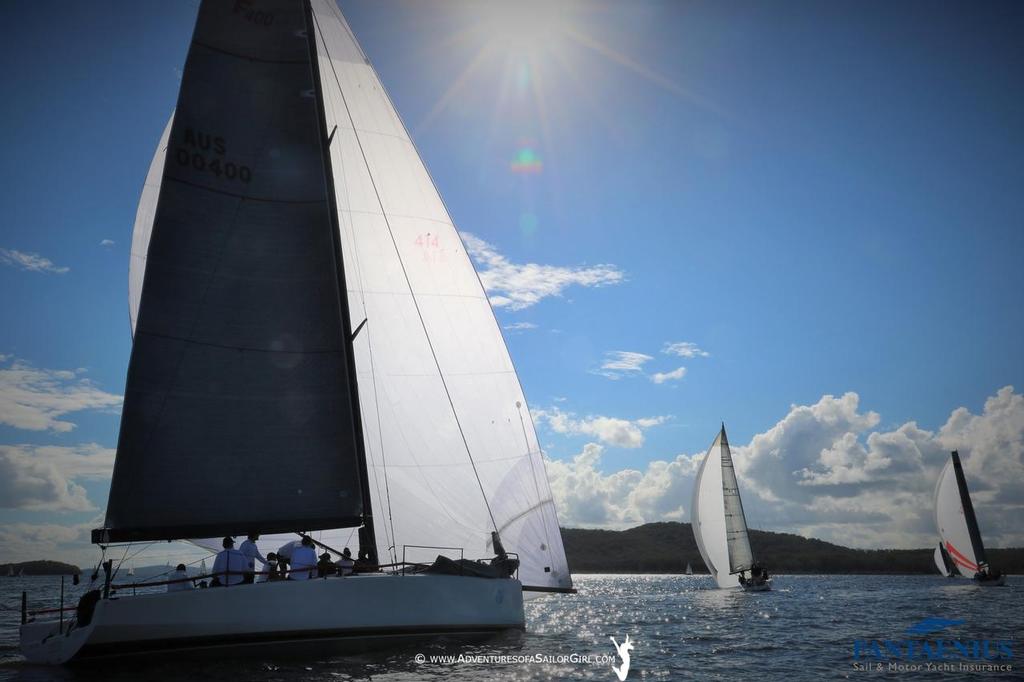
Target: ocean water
<point>680,627</point>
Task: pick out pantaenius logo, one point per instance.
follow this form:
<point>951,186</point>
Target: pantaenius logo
<point>922,645</point>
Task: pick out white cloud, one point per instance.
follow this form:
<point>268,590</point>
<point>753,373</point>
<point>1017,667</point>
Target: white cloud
<point>620,363</point>
<point>36,399</point>
<point>586,497</point>
<point>623,433</point>
<point>32,262</point>
<point>684,349</point>
<point>31,541</point>
<point>826,471</point>
<point>107,243</point>
<point>520,326</point>
<point>519,286</point>
<point>674,375</point>
<point>44,477</point>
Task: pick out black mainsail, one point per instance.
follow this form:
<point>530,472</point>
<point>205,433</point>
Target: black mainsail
<point>241,412</point>
<point>969,517</point>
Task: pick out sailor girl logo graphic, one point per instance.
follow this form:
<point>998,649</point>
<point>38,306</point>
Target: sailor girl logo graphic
<point>623,650</point>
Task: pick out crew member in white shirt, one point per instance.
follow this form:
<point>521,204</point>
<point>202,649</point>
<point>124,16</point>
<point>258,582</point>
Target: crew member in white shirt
<point>180,573</point>
<point>230,566</point>
<point>345,563</point>
<point>252,554</point>
<point>303,563</point>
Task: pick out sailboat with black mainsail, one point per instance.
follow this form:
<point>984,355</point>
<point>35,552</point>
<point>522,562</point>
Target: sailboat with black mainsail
<point>719,524</point>
<point>958,526</point>
<point>312,352</point>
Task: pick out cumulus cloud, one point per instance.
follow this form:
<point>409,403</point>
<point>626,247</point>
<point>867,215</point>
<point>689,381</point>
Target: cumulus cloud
<point>826,470</point>
<point>620,363</point>
<point>35,399</point>
<point>684,349</point>
<point>32,262</point>
<point>586,497</point>
<point>623,433</point>
<point>107,243</point>
<point>521,285</point>
<point>63,542</point>
<point>674,375</point>
<point>45,477</point>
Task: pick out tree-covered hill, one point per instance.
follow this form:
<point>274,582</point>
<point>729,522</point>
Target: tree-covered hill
<point>42,567</point>
<point>667,547</point>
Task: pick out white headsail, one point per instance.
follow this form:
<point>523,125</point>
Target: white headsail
<point>445,421</point>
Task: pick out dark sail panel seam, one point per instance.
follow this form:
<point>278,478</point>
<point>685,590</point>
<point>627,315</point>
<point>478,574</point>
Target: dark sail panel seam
<point>241,348</point>
<point>244,197</point>
<point>246,57</point>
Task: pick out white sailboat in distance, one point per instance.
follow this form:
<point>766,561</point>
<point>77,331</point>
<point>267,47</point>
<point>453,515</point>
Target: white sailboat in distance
<point>719,524</point>
<point>312,352</point>
<point>689,569</point>
<point>958,526</point>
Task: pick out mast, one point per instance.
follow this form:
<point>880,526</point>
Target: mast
<point>969,517</point>
<point>367,536</point>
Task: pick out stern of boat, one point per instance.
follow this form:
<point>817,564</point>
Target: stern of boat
<point>51,642</point>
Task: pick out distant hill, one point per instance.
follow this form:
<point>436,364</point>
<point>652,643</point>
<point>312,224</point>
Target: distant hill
<point>42,567</point>
<point>667,547</point>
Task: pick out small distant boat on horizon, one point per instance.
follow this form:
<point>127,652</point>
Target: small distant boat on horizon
<point>960,537</point>
<point>719,524</point>
<point>689,569</point>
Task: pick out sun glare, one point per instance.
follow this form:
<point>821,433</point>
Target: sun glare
<point>540,67</point>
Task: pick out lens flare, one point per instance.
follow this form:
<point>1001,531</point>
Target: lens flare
<point>527,162</point>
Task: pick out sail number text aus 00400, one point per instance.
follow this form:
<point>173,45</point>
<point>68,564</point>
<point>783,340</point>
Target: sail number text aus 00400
<point>205,153</point>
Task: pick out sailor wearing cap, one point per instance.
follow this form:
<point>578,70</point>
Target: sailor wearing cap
<point>230,566</point>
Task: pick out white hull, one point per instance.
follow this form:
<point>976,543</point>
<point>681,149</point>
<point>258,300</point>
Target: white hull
<point>279,613</point>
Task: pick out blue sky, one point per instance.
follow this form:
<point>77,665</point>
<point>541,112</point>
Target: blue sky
<point>821,199</point>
